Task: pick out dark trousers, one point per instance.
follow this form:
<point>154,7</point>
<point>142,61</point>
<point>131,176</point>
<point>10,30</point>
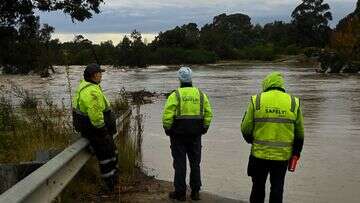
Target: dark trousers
<point>259,169</point>
<point>107,155</point>
<point>180,147</point>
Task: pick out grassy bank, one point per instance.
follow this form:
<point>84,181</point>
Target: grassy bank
<point>29,124</point>
<point>128,142</point>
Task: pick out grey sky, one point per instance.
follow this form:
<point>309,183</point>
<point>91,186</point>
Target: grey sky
<point>122,16</point>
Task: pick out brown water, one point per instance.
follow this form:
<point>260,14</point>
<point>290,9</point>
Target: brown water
<point>329,169</point>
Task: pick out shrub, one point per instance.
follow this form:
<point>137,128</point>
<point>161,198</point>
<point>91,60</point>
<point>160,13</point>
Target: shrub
<point>311,51</point>
<point>47,126</point>
<point>6,114</point>
<point>121,103</point>
<point>41,128</point>
<point>181,56</point>
<point>292,50</point>
<point>259,52</point>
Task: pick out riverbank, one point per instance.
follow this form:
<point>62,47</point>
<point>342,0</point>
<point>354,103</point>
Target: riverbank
<point>282,59</point>
<point>144,188</point>
<point>331,126</point>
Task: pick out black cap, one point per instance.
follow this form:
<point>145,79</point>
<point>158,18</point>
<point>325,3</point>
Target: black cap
<point>92,69</point>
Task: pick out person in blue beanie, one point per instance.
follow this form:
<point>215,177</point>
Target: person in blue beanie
<point>187,116</point>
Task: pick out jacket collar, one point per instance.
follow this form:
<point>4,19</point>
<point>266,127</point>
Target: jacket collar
<point>185,85</point>
<point>90,81</point>
<point>275,88</point>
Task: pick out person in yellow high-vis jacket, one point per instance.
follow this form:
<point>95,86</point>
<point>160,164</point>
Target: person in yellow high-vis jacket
<point>92,117</point>
<point>187,115</point>
<point>273,124</point>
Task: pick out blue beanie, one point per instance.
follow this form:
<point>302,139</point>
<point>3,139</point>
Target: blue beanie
<point>184,74</point>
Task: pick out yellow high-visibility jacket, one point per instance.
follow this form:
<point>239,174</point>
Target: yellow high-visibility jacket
<point>91,108</point>
<point>273,122</point>
<point>187,111</point>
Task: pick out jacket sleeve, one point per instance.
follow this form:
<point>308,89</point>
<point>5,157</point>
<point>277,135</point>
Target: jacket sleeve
<point>247,125</point>
<point>207,112</point>
<point>169,111</point>
<point>96,108</point>
<point>298,133</point>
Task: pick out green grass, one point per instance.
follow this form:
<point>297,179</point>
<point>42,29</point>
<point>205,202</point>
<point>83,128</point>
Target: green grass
<point>34,125</point>
<point>128,153</point>
<point>38,124</point>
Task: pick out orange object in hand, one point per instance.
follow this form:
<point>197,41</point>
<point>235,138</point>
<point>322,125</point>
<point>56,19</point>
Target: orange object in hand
<point>292,163</point>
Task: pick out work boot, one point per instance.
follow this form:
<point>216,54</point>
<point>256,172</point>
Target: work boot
<point>111,182</point>
<point>110,186</point>
<point>178,196</point>
<point>195,195</point>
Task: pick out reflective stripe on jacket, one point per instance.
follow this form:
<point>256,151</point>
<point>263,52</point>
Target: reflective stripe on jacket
<point>187,111</point>
<point>273,122</point>
<point>90,101</point>
<point>274,117</point>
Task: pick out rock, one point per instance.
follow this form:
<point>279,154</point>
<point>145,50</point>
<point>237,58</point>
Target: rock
<point>353,67</point>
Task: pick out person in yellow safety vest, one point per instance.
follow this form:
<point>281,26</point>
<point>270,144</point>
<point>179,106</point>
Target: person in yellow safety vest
<point>93,118</point>
<point>273,124</point>
<point>187,115</point>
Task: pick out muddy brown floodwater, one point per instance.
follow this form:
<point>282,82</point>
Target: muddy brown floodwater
<point>329,169</point>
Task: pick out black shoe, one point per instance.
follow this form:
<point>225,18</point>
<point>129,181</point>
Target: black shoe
<point>110,188</point>
<point>106,189</point>
<point>110,184</point>
<point>195,195</point>
<point>178,196</point>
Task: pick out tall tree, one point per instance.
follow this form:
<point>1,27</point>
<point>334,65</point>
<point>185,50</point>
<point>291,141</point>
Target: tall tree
<point>138,50</point>
<point>346,38</point>
<point>186,36</point>
<point>29,48</point>
<point>311,20</point>
<point>279,33</point>
<point>235,27</point>
<point>345,21</point>
<point>123,52</point>
<point>14,11</point>
<point>19,18</point>
<point>191,36</point>
<point>227,32</point>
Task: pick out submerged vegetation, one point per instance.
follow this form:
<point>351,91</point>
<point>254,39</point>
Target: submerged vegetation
<point>227,37</point>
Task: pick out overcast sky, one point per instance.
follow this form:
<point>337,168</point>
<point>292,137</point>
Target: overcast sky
<point>123,16</point>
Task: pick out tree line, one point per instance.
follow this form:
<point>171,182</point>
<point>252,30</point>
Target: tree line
<point>27,46</point>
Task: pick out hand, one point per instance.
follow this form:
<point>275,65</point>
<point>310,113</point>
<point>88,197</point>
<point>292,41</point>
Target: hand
<point>292,163</point>
<point>204,130</point>
<point>103,131</point>
<point>249,139</point>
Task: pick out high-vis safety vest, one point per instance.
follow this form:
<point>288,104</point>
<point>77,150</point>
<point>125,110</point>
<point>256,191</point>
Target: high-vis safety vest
<point>91,108</point>
<point>187,111</point>
<point>275,113</point>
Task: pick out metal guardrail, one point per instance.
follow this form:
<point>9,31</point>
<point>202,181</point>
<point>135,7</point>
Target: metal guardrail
<point>45,184</point>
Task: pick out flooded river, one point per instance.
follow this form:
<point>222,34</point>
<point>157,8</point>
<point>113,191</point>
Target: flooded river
<point>329,169</point>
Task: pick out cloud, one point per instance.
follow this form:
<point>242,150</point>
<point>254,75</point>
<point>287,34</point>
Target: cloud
<point>122,16</point>
<point>97,38</point>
